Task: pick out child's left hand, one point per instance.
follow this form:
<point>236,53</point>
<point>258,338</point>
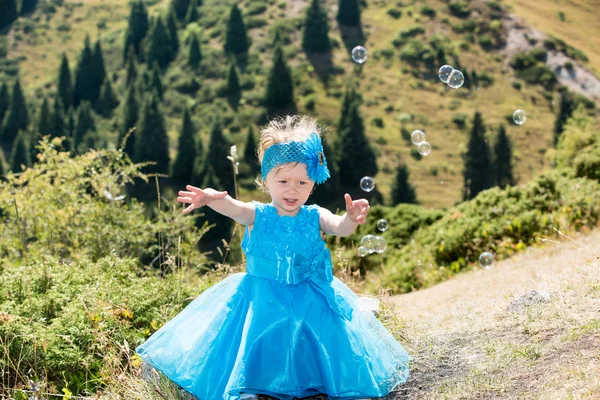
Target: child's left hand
<point>357,210</point>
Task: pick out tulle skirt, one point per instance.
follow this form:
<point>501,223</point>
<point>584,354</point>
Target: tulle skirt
<point>248,334</point>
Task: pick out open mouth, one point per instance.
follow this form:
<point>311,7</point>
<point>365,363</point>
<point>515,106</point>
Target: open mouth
<point>290,202</point>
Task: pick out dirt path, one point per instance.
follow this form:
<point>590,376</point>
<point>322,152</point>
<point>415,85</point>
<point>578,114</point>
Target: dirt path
<point>527,328</point>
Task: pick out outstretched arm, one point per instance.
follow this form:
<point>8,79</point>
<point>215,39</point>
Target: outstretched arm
<point>344,225</point>
<point>221,202</point>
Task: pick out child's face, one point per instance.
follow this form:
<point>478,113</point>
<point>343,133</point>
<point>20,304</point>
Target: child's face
<point>289,187</point>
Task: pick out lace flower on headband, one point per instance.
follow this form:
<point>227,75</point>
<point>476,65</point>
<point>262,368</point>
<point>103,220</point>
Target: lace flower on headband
<point>316,164</point>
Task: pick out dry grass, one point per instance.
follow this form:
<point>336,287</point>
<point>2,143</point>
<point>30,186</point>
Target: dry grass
<point>580,28</point>
<point>528,328</point>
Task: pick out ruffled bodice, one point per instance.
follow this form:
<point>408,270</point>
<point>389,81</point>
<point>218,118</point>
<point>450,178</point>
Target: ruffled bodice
<point>274,236</point>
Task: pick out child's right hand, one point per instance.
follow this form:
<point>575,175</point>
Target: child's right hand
<point>198,197</point>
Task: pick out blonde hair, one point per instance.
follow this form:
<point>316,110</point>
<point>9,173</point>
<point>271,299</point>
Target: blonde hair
<point>284,129</point>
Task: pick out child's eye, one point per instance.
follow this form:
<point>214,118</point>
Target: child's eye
<point>302,183</point>
<point>283,181</point>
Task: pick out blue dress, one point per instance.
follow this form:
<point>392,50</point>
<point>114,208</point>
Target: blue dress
<point>286,328</point>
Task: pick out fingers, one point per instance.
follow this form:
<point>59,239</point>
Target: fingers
<point>184,199</point>
<point>220,195</point>
<point>194,189</point>
<point>348,200</point>
<point>188,209</point>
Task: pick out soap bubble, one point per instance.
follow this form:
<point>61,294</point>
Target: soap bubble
<point>362,251</point>
<point>417,136</point>
<point>444,72</point>
<point>519,117</point>
<point>486,260</point>
<point>382,225</point>
<point>379,245</point>
<point>424,148</point>
<point>368,242</point>
<point>367,183</point>
<point>359,54</point>
<point>456,79</point>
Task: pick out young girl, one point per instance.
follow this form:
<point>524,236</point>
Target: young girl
<point>286,328</point>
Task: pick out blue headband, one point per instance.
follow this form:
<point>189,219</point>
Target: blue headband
<point>309,152</point>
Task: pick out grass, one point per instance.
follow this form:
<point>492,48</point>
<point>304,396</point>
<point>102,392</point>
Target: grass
<point>580,28</point>
<point>382,82</point>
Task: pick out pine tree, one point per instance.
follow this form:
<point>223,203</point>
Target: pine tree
<point>236,40</point>
<point>234,89</point>
<point>108,100</point>
<point>8,14</point>
<point>84,86</point>
<point>3,166</point>
<point>565,110</point>
<point>20,155</point>
<point>192,12</point>
<point>4,102</point>
<point>328,194</point>
<point>156,82</point>
<point>181,7</point>
<point>85,124</point>
<point>402,190</point>
<point>129,120</point>
<point>57,121</point>
<point>348,12</point>
<point>222,225</point>
<point>172,28</point>
<point>28,6</point>
<point>279,97</point>
<point>159,45</point>
<point>194,54</point>
<point>216,157</point>
<point>43,123</point>
<point>356,156</point>
<point>152,143</point>
<point>70,126</point>
<point>131,68</point>
<point>136,29</point>
<point>183,168</point>
<point>315,37</point>
<point>17,117</point>
<point>98,72</point>
<point>250,155</point>
<point>349,98</point>
<point>64,86</point>
<point>503,159</point>
<point>477,174</point>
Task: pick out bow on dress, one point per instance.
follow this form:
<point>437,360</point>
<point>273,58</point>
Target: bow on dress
<point>294,268</point>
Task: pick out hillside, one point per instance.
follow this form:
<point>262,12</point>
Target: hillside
<point>396,93</point>
<point>528,328</point>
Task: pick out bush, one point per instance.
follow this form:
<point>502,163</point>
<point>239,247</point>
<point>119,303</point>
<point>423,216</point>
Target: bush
<point>377,121</point>
<point>517,85</point>
<point>309,102</point>
<point>460,120</point>
<point>428,11</point>
<point>531,67</point>
<point>256,8</point>
<point>499,221</point>
<point>394,13</point>
<point>459,8</point>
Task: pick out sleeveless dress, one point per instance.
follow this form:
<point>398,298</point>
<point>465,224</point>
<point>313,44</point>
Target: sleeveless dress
<point>286,328</point>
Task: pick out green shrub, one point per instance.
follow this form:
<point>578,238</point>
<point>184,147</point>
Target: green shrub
<point>394,13</point>
<point>256,8</point>
<point>428,11</point>
<point>553,43</point>
<point>517,85</point>
<point>377,121</point>
<point>499,221</point>
<point>460,120</point>
<point>531,67</point>
<point>459,8</point>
